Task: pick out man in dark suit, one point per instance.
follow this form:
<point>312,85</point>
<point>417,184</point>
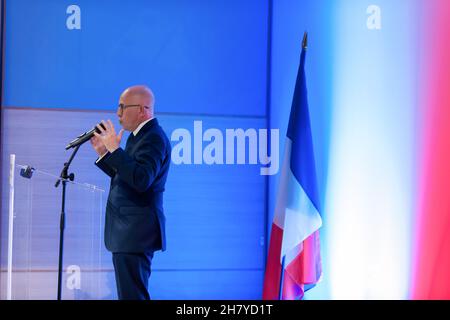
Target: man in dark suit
<point>135,222</point>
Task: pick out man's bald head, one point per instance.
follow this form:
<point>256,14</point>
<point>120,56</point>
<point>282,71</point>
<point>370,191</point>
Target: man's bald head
<point>138,102</point>
<point>141,93</point>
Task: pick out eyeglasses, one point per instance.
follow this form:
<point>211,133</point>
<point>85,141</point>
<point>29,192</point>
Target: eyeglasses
<point>124,106</point>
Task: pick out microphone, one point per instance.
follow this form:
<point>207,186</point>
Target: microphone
<point>84,137</point>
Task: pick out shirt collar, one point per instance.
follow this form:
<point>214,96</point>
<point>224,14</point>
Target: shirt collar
<point>136,131</point>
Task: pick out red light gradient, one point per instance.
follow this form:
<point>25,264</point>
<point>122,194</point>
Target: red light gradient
<point>431,274</point>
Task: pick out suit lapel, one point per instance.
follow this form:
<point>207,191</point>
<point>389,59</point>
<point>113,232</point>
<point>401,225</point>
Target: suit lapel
<point>131,141</point>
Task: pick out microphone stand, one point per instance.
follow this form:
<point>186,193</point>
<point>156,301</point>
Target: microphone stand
<point>64,177</point>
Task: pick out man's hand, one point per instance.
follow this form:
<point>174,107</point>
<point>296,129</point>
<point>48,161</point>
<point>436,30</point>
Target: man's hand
<point>98,146</point>
<point>108,136</point>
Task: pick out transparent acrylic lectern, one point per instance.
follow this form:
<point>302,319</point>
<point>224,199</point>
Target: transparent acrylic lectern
<point>34,238</point>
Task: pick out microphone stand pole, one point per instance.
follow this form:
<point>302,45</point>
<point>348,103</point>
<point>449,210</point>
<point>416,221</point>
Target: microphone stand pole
<point>64,177</point>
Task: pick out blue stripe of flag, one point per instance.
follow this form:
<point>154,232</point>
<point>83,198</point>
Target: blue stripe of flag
<point>299,131</point>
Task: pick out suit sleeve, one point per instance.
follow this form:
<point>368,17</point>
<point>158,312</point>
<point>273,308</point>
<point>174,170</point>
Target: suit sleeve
<point>139,171</point>
<point>104,166</point>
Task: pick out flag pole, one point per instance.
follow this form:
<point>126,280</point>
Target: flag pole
<point>280,293</point>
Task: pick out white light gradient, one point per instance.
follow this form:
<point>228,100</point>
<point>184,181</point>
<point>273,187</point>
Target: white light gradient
<point>369,195</point>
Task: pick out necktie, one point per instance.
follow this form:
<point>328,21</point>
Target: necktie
<point>130,141</point>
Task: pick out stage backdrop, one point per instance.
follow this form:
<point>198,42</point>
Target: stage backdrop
<point>378,78</point>
<point>205,61</point>
<point>377,74</point>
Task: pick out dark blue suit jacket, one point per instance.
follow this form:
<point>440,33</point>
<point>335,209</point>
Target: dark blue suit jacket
<point>135,219</point>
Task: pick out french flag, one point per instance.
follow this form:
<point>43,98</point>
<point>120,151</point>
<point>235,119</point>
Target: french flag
<point>294,263</point>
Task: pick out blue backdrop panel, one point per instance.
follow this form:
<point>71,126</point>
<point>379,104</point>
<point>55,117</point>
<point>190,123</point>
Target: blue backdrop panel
<point>199,56</point>
<point>204,284</point>
<point>215,214</point>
